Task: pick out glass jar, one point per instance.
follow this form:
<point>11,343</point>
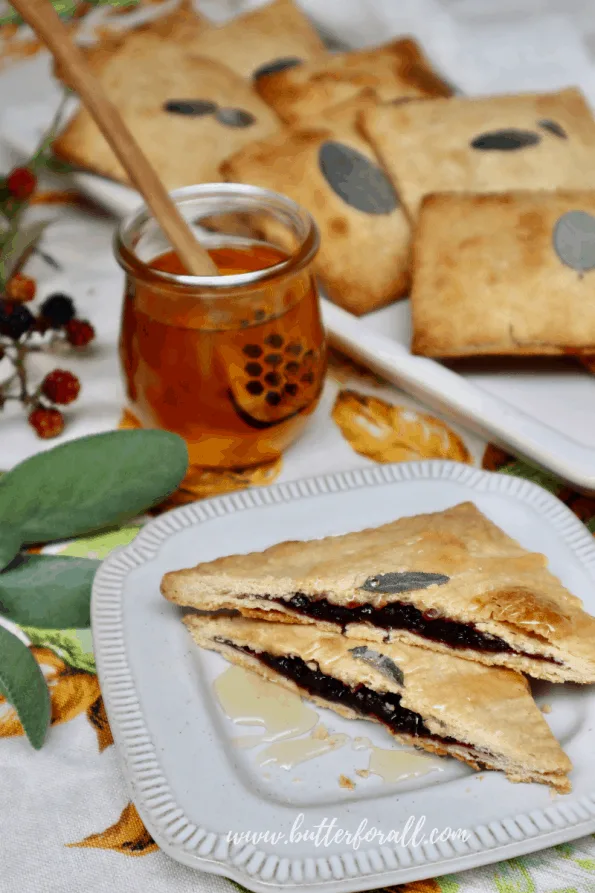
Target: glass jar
<point>234,363</point>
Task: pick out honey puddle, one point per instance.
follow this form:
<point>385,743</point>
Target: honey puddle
<point>290,753</point>
<point>393,765</point>
<point>248,699</point>
<point>398,765</point>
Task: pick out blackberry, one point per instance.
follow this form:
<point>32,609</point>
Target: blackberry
<point>58,309</point>
<point>15,319</point>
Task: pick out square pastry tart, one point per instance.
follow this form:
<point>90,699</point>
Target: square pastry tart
<point>451,582</point>
<point>333,172</point>
<point>188,112</point>
<point>300,94</point>
<point>270,38</point>
<point>478,258</point>
<point>490,144</point>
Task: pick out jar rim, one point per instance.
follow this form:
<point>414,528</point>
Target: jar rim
<point>252,197</point>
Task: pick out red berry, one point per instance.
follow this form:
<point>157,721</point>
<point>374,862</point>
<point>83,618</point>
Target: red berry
<point>61,386</point>
<point>47,422</point>
<point>20,288</point>
<point>79,332</point>
<point>21,182</point>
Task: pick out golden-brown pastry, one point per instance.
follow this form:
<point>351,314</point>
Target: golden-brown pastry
<point>188,113</point>
<point>301,94</point>
<point>507,274</point>
<point>490,144</point>
<point>269,38</point>
<point>333,172</point>
<point>182,25</point>
<point>451,581</point>
<point>483,716</point>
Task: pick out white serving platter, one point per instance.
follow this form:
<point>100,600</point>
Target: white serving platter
<point>541,410</point>
<point>192,786</point>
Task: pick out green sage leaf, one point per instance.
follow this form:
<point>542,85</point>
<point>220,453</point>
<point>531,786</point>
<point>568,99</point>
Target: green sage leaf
<point>10,543</point>
<point>545,479</point>
<point>49,591</point>
<point>91,483</point>
<point>24,686</point>
<point>18,247</point>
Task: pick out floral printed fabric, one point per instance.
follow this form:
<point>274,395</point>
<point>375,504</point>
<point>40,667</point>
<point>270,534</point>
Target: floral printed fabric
<point>71,823</point>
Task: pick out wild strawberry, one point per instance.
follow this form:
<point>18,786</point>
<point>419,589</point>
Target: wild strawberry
<point>79,332</point>
<point>57,310</point>
<point>20,288</point>
<point>15,319</point>
<point>47,422</point>
<point>21,183</point>
<point>61,386</point>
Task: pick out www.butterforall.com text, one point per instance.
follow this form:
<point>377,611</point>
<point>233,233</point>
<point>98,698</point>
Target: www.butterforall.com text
<point>326,833</point>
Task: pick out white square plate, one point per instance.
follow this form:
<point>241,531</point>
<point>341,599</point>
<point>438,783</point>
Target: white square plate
<point>192,786</point>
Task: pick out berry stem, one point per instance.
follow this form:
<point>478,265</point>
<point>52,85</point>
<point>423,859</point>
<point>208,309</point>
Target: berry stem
<point>21,372</point>
<point>13,210</point>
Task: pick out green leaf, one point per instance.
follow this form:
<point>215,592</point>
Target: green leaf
<point>24,686</point>
<point>57,166</point>
<point>92,483</point>
<point>65,9</point>
<point>66,644</point>
<point>10,543</point>
<point>15,253</point>
<point>590,525</point>
<point>49,591</point>
<point>100,545</point>
<point>545,479</point>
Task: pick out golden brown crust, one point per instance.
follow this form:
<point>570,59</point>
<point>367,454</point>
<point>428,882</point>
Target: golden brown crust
<point>489,712</point>
<point>494,584</point>
<point>182,25</point>
<point>488,280</point>
<point>277,30</point>
<point>364,258</point>
<point>398,69</point>
<point>140,74</point>
<point>426,146</point>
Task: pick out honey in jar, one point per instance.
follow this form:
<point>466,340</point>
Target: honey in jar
<point>234,364</point>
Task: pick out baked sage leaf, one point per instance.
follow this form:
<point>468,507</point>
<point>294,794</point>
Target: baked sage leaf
<point>505,140</point>
<point>380,662</point>
<point>405,581</point>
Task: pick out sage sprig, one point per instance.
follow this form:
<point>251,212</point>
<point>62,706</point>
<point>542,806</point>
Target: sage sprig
<point>76,488</point>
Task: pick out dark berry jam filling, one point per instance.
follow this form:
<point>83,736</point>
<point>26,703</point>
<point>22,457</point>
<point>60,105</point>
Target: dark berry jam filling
<point>398,615</point>
<point>385,707</point>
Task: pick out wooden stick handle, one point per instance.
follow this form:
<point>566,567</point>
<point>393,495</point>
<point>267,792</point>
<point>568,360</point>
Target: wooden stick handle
<point>46,23</point>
